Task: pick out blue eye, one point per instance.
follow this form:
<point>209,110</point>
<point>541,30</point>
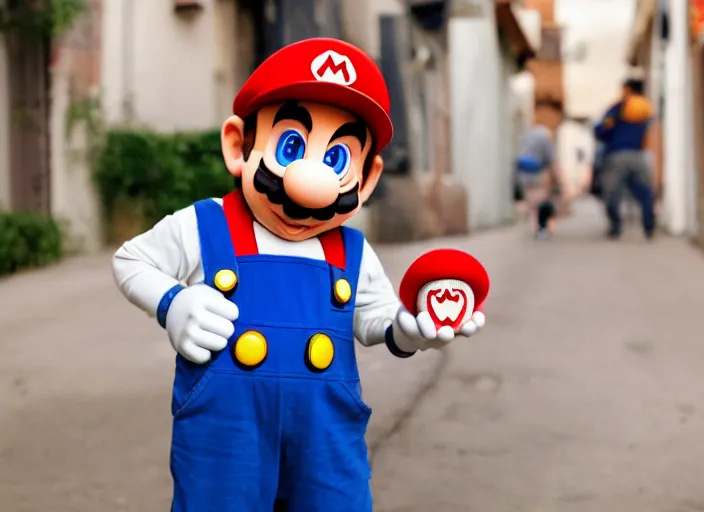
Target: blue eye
<point>338,157</point>
<point>291,147</point>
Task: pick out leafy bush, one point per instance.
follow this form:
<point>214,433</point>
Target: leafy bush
<point>27,240</point>
<point>160,172</point>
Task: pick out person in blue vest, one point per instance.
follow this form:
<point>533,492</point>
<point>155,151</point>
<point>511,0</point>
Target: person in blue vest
<point>623,130</point>
<point>263,292</point>
<point>538,179</point>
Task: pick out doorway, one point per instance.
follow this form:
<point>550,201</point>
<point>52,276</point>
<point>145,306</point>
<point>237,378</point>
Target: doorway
<point>28,68</point>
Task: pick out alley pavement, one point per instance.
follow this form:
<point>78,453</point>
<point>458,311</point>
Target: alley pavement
<point>584,393</point>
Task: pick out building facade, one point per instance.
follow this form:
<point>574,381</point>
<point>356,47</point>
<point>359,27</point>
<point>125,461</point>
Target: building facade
<point>547,67</point>
<point>488,48</point>
<point>663,43</point>
<point>697,59</point>
<point>176,65</point>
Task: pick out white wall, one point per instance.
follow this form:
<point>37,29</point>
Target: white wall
<point>531,25</point>
<point>361,22</point>
<point>655,71</point>
<point>163,69</point>
<point>602,27</point>
<point>476,92</point>
<point>4,128</point>
<point>571,137</point>
<point>74,199</point>
<point>692,176</point>
<point>159,69</point>
<point>510,130</point>
<point>676,169</point>
<point>523,86</point>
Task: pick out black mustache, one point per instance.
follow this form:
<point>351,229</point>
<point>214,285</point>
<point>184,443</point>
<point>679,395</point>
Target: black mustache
<point>266,182</point>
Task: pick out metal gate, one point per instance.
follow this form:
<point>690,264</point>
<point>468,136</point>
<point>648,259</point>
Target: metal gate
<point>28,60</point>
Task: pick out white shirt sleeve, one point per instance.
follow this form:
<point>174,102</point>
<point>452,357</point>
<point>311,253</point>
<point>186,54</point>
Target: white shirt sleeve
<point>377,303</point>
<point>149,265</point>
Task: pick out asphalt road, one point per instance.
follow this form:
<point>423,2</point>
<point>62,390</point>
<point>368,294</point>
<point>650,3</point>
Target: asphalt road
<point>584,392</point>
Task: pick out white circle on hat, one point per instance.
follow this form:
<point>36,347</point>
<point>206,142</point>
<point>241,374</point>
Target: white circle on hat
<point>332,67</point>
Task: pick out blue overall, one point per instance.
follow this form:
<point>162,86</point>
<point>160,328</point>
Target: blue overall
<point>243,438</point>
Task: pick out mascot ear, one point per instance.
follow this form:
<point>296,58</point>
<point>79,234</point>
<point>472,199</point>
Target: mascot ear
<point>232,137</point>
<point>371,179</point>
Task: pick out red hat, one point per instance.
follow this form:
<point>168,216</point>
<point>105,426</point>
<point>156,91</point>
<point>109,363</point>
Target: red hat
<point>323,70</point>
<point>444,264</point>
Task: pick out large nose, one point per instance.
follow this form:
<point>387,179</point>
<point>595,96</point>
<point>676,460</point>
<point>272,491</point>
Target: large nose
<point>311,184</point>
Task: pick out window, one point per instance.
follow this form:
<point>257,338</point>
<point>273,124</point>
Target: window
<point>551,47</point>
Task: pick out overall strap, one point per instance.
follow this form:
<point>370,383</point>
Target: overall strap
<point>241,224</point>
<point>334,247</point>
<point>354,247</point>
<point>344,278</point>
<point>217,252</point>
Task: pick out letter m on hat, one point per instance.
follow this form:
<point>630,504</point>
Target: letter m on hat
<point>332,67</point>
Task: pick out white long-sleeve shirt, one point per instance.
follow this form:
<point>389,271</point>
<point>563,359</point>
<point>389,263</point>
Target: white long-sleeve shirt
<point>150,264</point>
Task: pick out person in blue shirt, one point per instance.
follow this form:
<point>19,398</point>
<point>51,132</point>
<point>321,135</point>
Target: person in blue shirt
<point>622,131</point>
<point>538,179</point>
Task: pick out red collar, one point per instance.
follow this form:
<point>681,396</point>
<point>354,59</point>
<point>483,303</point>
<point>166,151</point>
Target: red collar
<point>241,223</point>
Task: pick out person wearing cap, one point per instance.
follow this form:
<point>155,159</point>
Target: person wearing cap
<point>263,292</point>
<point>623,131</point>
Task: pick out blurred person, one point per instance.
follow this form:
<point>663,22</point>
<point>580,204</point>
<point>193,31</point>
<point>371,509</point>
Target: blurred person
<point>623,131</point>
<point>597,170</point>
<point>538,179</point>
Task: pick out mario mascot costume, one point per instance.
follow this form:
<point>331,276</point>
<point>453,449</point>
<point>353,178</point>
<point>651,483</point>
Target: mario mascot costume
<point>262,294</point>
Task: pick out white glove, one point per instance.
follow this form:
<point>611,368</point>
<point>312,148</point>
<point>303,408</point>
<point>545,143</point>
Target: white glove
<point>200,320</point>
<point>413,333</point>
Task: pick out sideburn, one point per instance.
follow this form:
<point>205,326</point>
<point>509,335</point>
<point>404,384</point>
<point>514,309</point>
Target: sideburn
<point>250,135</point>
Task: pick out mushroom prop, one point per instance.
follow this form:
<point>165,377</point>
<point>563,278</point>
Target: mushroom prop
<point>449,284</point>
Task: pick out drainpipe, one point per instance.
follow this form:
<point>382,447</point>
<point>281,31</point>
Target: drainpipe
<point>128,62</point>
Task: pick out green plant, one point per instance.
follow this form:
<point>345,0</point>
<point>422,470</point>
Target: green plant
<point>161,172</point>
<point>87,112</point>
<point>49,20</point>
<point>27,240</point>
<point>64,14</point>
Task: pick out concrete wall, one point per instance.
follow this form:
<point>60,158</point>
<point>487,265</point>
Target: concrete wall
<point>573,138</point>
<point>145,65</point>
<point>594,82</point>
<point>476,92</point>
<point>692,174</point>
<point>510,129</point>
<point>75,80</point>
<point>4,128</point>
<point>166,70</point>
<point>523,85</point>
<point>676,136</point>
<point>360,21</point>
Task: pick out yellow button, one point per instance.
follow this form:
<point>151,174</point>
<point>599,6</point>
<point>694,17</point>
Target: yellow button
<point>225,280</point>
<point>320,351</point>
<point>343,291</point>
<point>251,348</point>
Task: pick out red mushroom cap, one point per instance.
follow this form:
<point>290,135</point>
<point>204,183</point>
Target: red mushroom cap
<point>444,264</point>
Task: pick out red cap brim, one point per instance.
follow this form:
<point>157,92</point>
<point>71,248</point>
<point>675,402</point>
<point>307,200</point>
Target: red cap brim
<point>444,264</point>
